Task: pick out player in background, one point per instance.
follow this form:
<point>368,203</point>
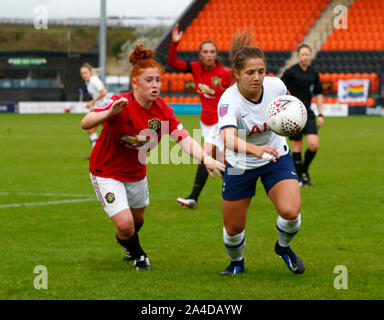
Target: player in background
<point>303,82</point>
<point>98,93</point>
<point>249,142</point>
<point>134,122</point>
<point>211,79</point>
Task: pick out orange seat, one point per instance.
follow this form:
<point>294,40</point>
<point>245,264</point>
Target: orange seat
<point>173,100</point>
<point>371,102</point>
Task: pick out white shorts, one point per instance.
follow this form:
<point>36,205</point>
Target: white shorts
<point>211,134</point>
<point>116,196</point>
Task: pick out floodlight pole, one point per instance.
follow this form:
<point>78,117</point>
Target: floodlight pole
<point>103,40</point>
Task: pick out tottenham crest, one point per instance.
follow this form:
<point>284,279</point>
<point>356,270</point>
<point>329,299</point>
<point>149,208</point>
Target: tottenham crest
<point>154,124</point>
<point>110,197</point>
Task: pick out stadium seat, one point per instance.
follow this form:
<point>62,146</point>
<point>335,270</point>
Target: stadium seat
<point>352,53</point>
<point>363,27</point>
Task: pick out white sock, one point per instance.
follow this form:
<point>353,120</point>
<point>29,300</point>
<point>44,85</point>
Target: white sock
<point>234,245</point>
<point>287,230</point>
<point>93,137</point>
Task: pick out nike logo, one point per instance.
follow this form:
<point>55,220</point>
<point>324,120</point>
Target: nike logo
<point>244,115</point>
<point>294,173</point>
<point>291,266</point>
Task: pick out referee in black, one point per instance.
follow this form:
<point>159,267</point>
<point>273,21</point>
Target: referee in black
<point>303,82</point>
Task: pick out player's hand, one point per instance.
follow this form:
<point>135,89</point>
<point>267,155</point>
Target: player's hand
<point>118,106</point>
<point>320,121</point>
<point>90,104</point>
<point>213,166</point>
<point>266,152</point>
<point>176,34</point>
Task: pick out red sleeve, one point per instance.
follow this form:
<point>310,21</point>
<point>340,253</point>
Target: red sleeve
<point>176,129</point>
<point>172,58</point>
<point>107,104</point>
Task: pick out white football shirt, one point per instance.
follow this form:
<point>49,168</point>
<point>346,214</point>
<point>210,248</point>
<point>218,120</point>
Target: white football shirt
<point>248,117</point>
<point>94,85</point>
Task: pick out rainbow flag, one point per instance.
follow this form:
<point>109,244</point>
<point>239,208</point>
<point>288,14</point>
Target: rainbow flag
<point>353,90</point>
<point>356,90</point>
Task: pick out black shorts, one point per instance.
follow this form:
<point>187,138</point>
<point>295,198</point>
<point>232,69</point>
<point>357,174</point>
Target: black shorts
<point>310,128</point>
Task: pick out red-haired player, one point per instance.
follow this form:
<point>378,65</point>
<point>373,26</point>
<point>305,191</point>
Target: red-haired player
<point>211,79</point>
<point>134,122</point>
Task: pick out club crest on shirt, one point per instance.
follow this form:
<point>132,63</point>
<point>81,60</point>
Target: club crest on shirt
<point>216,81</point>
<point>154,124</point>
<point>223,109</point>
<point>110,197</point>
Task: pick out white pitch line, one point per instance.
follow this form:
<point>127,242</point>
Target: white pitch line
<point>43,203</point>
<point>47,194</point>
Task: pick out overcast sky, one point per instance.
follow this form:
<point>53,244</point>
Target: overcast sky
<point>91,8</point>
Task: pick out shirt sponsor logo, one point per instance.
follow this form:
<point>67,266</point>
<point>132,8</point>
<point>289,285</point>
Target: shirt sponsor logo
<point>135,142</point>
<point>206,90</point>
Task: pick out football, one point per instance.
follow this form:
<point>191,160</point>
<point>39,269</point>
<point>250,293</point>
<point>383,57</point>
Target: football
<point>286,115</point>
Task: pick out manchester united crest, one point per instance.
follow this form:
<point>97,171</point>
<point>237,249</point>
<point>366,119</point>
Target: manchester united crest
<point>154,124</point>
<point>216,81</point>
<point>110,197</point>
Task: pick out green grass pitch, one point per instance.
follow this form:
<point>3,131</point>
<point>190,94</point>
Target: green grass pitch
<point>42,161</point>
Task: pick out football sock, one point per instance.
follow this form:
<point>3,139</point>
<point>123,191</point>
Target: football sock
<point>308,157</point>
<point>138,225</point>
<point>287,230</point>
<point>132,245</point>
<point>92,138</point>
<point>297,162</point>
<point>234,245</point>
<point>200,179</point>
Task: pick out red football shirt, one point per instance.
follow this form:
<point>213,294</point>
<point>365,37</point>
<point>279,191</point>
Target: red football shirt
<point>210,85</point>
<point>120,150</point>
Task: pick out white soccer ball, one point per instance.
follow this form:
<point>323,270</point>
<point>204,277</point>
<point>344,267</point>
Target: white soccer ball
<point>286,115</point>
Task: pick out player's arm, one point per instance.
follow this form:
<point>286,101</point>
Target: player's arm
<point>96,82</point>
<point>190,146</point>
<point>93,119</point>
<point>319,102</point>
<point>102,94</point>
<point>318,91</point>
<point>172,59</point>
<point>233,142</point>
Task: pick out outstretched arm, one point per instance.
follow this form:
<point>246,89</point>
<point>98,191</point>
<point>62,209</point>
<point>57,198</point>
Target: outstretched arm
<point>172,54</point>
<point>190,146</point>
<point>93,119</point>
